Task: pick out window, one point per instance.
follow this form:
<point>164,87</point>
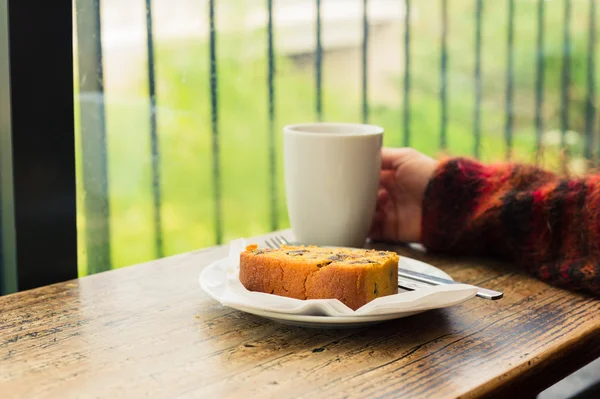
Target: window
<point>179,105</point>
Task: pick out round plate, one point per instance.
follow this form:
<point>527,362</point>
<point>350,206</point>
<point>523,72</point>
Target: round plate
<point>325,322</point>
<point>329,322</point>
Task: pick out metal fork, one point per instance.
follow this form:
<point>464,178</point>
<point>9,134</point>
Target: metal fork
<point>276,242</point>
<point>407,279</point>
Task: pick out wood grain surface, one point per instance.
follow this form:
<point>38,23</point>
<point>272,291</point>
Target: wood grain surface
<point>149,331</point>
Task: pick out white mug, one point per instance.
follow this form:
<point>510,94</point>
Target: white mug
<point>332,178</point>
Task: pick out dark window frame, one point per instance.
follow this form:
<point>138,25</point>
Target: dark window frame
<point>39,226</point>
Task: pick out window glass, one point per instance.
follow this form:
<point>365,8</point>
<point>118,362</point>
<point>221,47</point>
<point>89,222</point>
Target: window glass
<point>180,103</point>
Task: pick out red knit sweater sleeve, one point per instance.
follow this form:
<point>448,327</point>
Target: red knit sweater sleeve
<point>546,224</point>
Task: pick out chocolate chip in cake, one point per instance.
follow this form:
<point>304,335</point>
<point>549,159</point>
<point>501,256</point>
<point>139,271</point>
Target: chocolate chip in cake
<point>323,264</point>
<point>375,291</point>
<point>262,251</point>
<point>361,262</point>
<point>296,252</point>
<point>337,257</point>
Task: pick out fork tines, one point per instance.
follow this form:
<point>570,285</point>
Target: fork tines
<point>276,242</point>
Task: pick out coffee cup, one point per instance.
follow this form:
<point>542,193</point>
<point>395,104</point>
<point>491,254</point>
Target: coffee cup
<point>331,179</point>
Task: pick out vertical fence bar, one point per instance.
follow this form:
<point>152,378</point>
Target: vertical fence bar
<point>477,111</point>
<point>319,65</point>
<point>365,97</point>
<point>271,106</point>
<point>93,135</point>
<point>406,116</point>
<point>539,80</point>
<point>216,165</point>
<point>508,128</point>
<point>565,78</point>
<point>590,109</point>
<point>443,76</point>
<point>154,145</point>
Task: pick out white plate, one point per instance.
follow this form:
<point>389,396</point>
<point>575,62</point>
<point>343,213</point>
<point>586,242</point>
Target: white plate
<point>207,282</point>
<point>332,322</point>
<point>325,322</point>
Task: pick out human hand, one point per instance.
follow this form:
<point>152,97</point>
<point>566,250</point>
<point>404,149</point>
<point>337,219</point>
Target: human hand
<point>405,174</point>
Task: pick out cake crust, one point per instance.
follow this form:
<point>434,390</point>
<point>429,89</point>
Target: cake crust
<point>354,276</point>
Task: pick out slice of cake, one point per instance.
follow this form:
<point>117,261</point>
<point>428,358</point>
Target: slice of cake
<point>354,276</point>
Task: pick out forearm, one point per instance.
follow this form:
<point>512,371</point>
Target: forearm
<point>517,212</point>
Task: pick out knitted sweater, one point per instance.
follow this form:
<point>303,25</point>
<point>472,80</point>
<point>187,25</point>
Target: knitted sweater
<point>546,224</point>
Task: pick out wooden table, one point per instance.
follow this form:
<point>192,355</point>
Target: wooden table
<point>149,330</point>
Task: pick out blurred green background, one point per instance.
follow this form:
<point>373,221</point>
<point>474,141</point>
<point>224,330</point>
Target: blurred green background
<point>183,105</point>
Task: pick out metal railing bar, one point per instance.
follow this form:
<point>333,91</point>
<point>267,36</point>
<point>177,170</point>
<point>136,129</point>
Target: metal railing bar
<point>93,136</point>
<point>478,88</point>
<point>154,144</point>
<point>216,169</point>
<point>508,129</point>
<point>406,102</point>
<point>271,106</point>
<point>590,105</point>
<point>565,77</point>
<point>539,80</point>
<point>444,77</point>
<point>319,64</point>
<point>365,97</point>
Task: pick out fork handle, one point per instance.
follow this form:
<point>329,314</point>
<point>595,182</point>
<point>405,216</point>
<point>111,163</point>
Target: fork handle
<point>425,278</point>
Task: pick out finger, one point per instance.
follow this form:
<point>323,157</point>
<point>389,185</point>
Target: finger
<point>383,197</point>
<point>383,227</point>
<point>386,177</point>
<point>377,227</point>
<point>387,181</point>
<point>391,157</point>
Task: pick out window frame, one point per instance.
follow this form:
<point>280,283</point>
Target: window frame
<point>37,157</point>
